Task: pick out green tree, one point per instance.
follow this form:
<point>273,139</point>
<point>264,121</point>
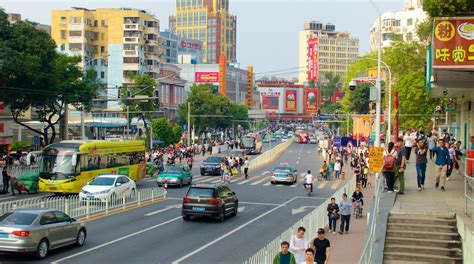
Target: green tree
<point>329,88</point>
<point>163,131</point>
<point>357,101</point>
<point>34,76</point>
<point>177,132</point>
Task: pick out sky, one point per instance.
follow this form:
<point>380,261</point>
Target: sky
<point>267,30</point>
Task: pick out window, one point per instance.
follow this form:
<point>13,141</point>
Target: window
<point>61,217</point>
<point>63,47</point>
<point>47,219</point>
<point>102,74</point>
<point>76,33</point>
<point>63,20</point>
<point>102,49</point>
<point>18,218</point>
<point>63,34</point>
<point>103,23</point>
<point>96,23</point>
<point>410,22</point>
<point>124,180</point>
<point>102,36</point>
<point>130,60</point>
<point>75,20</point>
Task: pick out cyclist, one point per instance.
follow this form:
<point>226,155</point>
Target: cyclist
<point>309,181</point>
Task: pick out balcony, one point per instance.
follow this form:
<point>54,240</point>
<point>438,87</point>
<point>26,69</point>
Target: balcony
<point>131,66</point>
<point>152,42</point>
<point>127,80</point>
<point>134,40</point>
<point>77,40</point>
<point>152,30</point>
<point>130,53</point>
<point>152,68</point>
<point>132,27</point>
<point>75,27</point>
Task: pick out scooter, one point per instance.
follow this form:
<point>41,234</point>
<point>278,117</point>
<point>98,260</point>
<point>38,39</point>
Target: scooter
<point>308,188</point>
<point>226,178</point>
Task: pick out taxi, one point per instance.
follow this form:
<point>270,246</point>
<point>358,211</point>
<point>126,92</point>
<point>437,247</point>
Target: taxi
<point>284,173</point>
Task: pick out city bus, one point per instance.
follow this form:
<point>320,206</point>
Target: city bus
<point>303,137</point>
<point>252,144</point>
<point>67,166</point>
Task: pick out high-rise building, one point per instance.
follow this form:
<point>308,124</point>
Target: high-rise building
<point>210,22</point>
<point>176,49</point>
<point>399,25</point>
<point>115,42</point>
<point>322,50</point>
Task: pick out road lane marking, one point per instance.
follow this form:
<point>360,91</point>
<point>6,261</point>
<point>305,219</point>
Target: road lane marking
<point>322,184</point>
<point>252,179</point>
<point>298,162</point>
<point>252,203</point>
<point>294,185</point>
<point>176,206</point>
<point>336,184</point>
<point>211,178</point>
<point>116,240</point>
<point>259,181</point>
<point>266,184</point>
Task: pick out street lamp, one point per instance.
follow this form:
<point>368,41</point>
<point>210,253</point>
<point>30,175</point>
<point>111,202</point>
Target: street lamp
<point>379,90</point>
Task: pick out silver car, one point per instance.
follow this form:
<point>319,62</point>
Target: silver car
<point>37,231</point>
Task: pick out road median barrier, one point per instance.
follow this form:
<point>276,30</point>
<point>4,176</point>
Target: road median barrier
<point>269,156</point>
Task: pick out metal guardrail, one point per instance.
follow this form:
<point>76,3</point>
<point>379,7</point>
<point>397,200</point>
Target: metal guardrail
<point>75,207</point>
<point>312,222</point>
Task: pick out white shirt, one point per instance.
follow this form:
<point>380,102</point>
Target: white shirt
<point>246,164</point>
<point>298,247</point>
<point>309,178</point>
<point>408,141</point>
<point>337,166</point>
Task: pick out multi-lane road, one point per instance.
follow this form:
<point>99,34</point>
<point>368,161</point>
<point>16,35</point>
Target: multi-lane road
<point>157,233</point>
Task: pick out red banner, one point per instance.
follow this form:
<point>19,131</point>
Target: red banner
<point>313,53</point>
<point>291,100</point>
<point>270,102</point>
<point>453,43</point>
<point>2,107</point>
<point>203,77</point>
<point>311,100</point>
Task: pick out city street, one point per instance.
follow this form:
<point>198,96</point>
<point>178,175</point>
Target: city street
<point>157,233</point>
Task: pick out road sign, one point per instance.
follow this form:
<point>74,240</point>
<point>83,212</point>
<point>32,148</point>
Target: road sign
<point>376,159</point>
<point>337,141</point>
<point>36,140</point>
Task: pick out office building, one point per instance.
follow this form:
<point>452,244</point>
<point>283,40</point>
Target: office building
<point>399,25</point>
<point>209,21</point>
<point>322,49</point>
<point>179,50</point>
<point>115,42</point>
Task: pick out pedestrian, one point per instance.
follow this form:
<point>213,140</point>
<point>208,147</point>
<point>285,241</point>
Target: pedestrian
<point>431,144</point>
<point>442,162</point>
<point>408,139</point>
<point>400,165</point>
<point>309,257</point>
<point>421,160</point>
<point>345,205</point>
<point>246,167</point>
<point>321,247</point>
<point>337,168</point>
<point>190,163</point>
<point>333,214</point>
<point>284,256</point>
<point>6,179</point>
<point>389,156</point>
<point>298,244</point>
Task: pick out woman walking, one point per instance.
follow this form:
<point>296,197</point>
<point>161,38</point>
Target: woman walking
<point>333,215</point>
<point>390,155</point>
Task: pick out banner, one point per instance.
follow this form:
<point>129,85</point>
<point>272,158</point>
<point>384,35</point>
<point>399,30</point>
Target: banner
<point>203,77</point>
<point>453,42</point>
<point>313,54</point>
<point>270,102</point>
<point>311,100</point>
<point>291,100</point>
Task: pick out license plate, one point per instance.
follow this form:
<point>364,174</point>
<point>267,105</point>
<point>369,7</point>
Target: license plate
<point>199,209</point>
<point>3,235</point>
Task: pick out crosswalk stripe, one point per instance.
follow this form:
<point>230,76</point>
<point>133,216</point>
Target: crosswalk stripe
<point>259,181</point>
<point>336,184</point>
<point>216,181</point>
<point>267,184</point>
<point>320,186</point>
<point>206,179</point>
<point>294,185</point>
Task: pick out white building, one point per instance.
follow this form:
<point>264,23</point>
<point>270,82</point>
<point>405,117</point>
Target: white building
<point>399,25</point>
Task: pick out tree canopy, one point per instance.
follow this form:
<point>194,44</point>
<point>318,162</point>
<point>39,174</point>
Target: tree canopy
<point>164,131</point>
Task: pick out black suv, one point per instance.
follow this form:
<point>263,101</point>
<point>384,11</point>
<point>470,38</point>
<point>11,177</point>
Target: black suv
<point>211,200</point>
<point>212,165</point>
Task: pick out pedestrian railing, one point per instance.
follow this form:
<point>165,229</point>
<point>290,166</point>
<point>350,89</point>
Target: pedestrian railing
<point>318,218</point>
<point>468,187</point>
<point>269,155</point>
<point>16,170</point>
<point>79,208</point>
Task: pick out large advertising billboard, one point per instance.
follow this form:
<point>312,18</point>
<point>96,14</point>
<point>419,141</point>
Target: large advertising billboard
<point>453,42</point>
<point>205,77</point>
<point>291,97</point>
<point>311,100</point>
<point>313,54</point>
<point>270,100</point>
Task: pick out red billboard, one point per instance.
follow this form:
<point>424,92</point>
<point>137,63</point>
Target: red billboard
<point>311,100</point>
<point>291,100</point>
<point>453,42</point>
<point>270,100</point>
<point>203,77</point>
<point>313,54</point>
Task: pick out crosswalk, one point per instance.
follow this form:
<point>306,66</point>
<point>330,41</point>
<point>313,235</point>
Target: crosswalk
<point>264,180</point>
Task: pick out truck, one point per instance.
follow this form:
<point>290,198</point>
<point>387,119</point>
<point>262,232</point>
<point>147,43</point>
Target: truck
<point>252,144</point>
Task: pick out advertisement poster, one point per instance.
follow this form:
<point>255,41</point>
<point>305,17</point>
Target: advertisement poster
<point>311,100</point>
<point>204,77</point>
<point>290,100</point>
<point>453,43</point>
<point>313,54</point>
<point>270,100</point>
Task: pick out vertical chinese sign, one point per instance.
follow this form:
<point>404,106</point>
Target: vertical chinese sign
<point>313,53</point>
<point>291,100</point>
<point>311,100</point>
<point>453,43</point>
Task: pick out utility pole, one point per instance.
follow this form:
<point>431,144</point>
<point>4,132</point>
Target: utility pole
<point>189,124</point>
<point>83,129</point>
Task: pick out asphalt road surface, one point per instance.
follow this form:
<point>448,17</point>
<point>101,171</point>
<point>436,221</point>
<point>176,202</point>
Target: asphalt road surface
<point>157,233</point>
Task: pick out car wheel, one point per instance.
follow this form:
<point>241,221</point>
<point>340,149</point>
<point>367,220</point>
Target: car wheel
<point>186,217</point>
<point>272,182</point>
<point>236,209</point>
<point>202,173</point>
<point>42,250</point>
<point>222,215</point>
<point>81,238</point>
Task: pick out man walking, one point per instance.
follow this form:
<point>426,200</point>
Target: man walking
<point>400,165</point>
<point>345,206</point>
<point>285,256</point>
<point>298,245</point>
<point>246,167</point>
<point>321,247</point>
<point>6,179</point>
<point>442,162</point>
<point>309,257</point>
<point>421,160</point>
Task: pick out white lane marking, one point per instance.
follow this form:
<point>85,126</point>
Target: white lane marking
<point>322,184</point>
<point>265,172</point>
<point>298,162</point>
<point>252,179</point>
<point>241,209</point>
<point>252,203</point>
<point>294,185</point>
<point>336,184</point>
<point>116,240</point>
<point>232,232</point>
<point>278,185</point>
<point>216,181</point>
<point>211,178</point>
<point>266,184</point>
<point>264,178</point>
<point>237,179</point>
<point>177,206</point>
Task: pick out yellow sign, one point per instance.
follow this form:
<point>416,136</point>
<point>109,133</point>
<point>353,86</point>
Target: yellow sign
<point>376,159</point>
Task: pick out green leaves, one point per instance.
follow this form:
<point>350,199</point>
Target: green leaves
<point>164,131</point>
<point>439,8</point>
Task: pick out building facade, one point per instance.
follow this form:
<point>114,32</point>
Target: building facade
<point>6,129</point>
<point>178,50</point>
<point>399,25</point>
<point>324,50</point>
<point>115,42</point>
<point>210,22</point>
<point>171,89</point>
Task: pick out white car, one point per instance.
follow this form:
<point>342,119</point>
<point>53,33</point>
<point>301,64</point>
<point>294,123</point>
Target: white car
<point>108,187</point>
<point>284,139</point>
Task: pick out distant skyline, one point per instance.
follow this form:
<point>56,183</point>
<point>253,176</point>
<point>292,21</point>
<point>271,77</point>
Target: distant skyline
<point>267,31</point>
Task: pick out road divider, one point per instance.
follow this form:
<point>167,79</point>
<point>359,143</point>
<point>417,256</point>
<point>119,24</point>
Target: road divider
<point>269,156</point>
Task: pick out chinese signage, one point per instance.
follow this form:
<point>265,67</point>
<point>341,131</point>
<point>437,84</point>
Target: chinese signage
<point>270,102</point>
<point>376,159</point>
<point>313,52</point>
<point>290,100</point>
<point>191,45</point>
<point>453,43</point>
<point>311,100</point>
<point>203,77</point>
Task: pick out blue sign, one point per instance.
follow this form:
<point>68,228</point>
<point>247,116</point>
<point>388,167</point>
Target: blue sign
<point>337,141</point>
<point>36,140</point>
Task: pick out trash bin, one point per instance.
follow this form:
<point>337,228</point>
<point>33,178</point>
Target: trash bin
<point>470,162</point>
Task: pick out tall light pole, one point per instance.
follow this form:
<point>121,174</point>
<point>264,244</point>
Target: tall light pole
<point>379,88</point>
<point>189,124</point>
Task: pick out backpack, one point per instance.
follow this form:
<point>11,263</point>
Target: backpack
<point>389,161</point>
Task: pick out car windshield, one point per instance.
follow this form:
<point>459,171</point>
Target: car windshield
<point>248,141</point>
<point>173,170</point>
<point>57,164</point>
<point>235,153</point>
<point>213,160</point>
<point>201,192</point>
<point>102,181</point>
<point>17,218</point>
<point>282,169</point>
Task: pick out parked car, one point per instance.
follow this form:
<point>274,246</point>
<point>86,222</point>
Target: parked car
<point>212,165</point>
<point>175,175</point>
<point>209,200</point>
<point>284,173</point>
<point>108,188</point>
<point>37,231</point>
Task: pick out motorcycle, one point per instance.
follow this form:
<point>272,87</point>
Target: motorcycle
<point>308,188</point>
<point>226,178</point>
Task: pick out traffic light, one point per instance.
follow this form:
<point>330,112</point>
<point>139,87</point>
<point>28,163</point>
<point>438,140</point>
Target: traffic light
<point>336,114</point>
<point>156,99</point>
